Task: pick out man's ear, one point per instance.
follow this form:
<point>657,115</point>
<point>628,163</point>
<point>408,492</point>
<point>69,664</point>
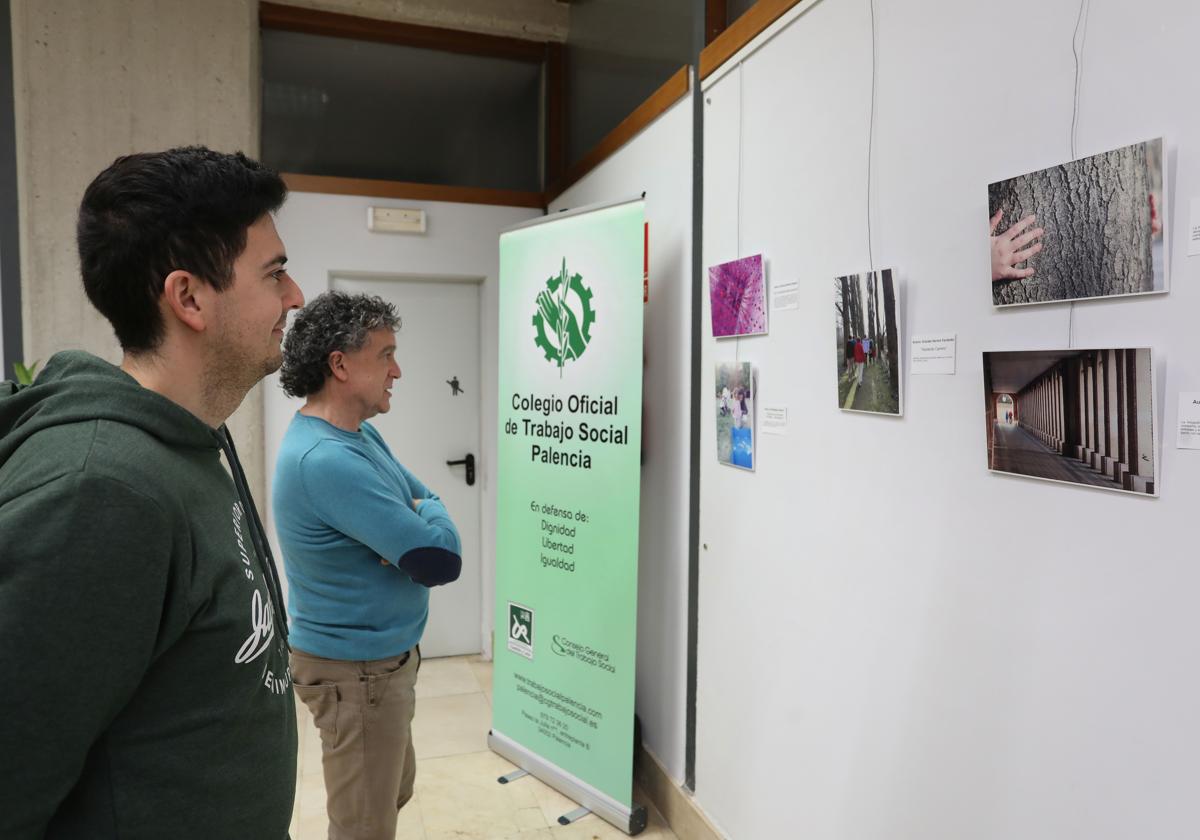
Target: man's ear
<point>337,366</point>
<point>185,296</point>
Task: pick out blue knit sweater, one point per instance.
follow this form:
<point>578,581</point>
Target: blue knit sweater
<point>342,502</point>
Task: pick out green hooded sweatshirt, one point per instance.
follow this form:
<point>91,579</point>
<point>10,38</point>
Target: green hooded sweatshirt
<point>143,640</point>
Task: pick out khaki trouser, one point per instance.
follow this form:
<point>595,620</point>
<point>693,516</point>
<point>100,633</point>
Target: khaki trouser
<point>364,713</point>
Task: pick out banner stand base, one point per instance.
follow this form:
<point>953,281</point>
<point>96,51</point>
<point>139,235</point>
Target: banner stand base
<point>632,821</point>
<point>573,816</point>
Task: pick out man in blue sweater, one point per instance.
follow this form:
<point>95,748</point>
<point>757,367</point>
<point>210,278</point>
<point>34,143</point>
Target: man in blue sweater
<point>363,540</point>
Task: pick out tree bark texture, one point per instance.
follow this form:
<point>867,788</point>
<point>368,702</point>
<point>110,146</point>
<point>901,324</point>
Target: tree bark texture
<point>872,307</point>
<point>856,329</point>
<point>1096,216</point>
<point>845,286</point>
<point>889,314</point>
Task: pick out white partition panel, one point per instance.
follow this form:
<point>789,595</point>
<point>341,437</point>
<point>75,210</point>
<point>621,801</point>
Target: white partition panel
<point>658,161</point>
<point>895,643</point>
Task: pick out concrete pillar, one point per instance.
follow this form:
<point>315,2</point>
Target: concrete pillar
<point>1097,411</point>
<point>1121,469</point>
<point>1079,414</point>
<point>1058,409</point>
<point>1062,404</point>
<point>1088,436</point>
<point>1042,409</point>
<point>1112,416</point>
<point>1041,424</point>
<point>1143,386</point>
<point>1049,426</point>
<point>1101,411</point>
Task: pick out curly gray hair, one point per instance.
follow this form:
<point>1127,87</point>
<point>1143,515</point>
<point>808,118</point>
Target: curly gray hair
<point>333,321</point>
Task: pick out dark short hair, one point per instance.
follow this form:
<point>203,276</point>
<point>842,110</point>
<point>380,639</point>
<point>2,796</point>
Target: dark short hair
<point>149,214</point>
<point>331,322</point>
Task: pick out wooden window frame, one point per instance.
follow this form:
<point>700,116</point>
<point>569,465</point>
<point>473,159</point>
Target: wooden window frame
<point>550,54</point>
<point>337,25</point>
<point>559,177</point>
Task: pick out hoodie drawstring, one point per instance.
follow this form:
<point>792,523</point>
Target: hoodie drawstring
<point>257,533</point>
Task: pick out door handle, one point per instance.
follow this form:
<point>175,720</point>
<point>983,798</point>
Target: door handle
<point>469,462</point>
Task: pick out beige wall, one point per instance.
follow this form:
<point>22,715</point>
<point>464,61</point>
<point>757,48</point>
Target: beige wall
<point>94,80</point>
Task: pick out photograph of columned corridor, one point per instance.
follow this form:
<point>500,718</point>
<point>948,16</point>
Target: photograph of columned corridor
<point>1087,228</point>
<point>868,359</point>
<point>1077,416</point>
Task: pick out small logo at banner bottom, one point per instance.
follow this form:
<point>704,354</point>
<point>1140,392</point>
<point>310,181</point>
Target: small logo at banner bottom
<point>586,654</point>
<point>520,630</point>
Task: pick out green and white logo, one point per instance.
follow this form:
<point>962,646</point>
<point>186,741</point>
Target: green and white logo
<point>520,629</point>
<point>564,318</point>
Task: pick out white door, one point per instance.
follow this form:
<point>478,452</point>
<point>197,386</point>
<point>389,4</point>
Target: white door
<point>437,348</point>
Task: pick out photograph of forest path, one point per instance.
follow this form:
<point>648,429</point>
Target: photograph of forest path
<point>868,343</point>
<point>1087,228</point>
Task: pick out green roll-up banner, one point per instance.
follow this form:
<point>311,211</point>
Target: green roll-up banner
<point>568,477</point>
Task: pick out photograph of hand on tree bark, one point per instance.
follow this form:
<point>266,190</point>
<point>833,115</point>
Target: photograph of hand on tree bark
<point>736,392</point>
<point>1077,416</point>
<point>868,343</point>
<point>1088,228</point>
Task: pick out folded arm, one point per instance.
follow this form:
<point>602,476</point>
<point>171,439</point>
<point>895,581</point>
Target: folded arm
<point>351,496</point>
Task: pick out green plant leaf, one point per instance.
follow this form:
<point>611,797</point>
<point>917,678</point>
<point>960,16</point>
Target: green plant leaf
<point>25,374</point>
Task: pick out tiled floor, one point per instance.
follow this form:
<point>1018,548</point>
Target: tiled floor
<point>457,795</point>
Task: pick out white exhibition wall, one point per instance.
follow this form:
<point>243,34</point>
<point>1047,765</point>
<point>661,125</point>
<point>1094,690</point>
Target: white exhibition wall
<point>327,234</point>
<point>895,643</point>
<point>658,161</point>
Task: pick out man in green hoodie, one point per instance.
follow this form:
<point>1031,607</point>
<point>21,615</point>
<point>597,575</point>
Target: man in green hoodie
<point>142,634</point>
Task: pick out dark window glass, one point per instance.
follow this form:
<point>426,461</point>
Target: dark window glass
<point>334,106</point>
<point>734,9</point>
<point>620,52</point>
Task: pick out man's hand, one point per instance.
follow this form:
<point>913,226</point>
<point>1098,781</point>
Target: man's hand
<point>1012,247</point>
<point>417,503</point>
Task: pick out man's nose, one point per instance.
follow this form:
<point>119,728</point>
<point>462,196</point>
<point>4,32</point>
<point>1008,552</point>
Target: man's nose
<point>294,297</point>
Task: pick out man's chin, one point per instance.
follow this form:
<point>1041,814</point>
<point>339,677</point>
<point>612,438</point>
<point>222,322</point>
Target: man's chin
<point>272,363</point>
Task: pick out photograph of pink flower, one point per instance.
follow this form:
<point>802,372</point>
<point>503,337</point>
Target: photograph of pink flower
<point>738,292</point>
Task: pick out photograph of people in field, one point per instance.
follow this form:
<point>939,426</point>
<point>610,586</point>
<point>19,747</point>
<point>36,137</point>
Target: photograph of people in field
<point>868,342</point>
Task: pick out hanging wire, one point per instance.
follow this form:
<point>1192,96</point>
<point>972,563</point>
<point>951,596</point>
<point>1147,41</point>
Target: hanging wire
<point>741,71</point>
<point>871,141</point>
<point>1077,51</point>
<point>741,142</point>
